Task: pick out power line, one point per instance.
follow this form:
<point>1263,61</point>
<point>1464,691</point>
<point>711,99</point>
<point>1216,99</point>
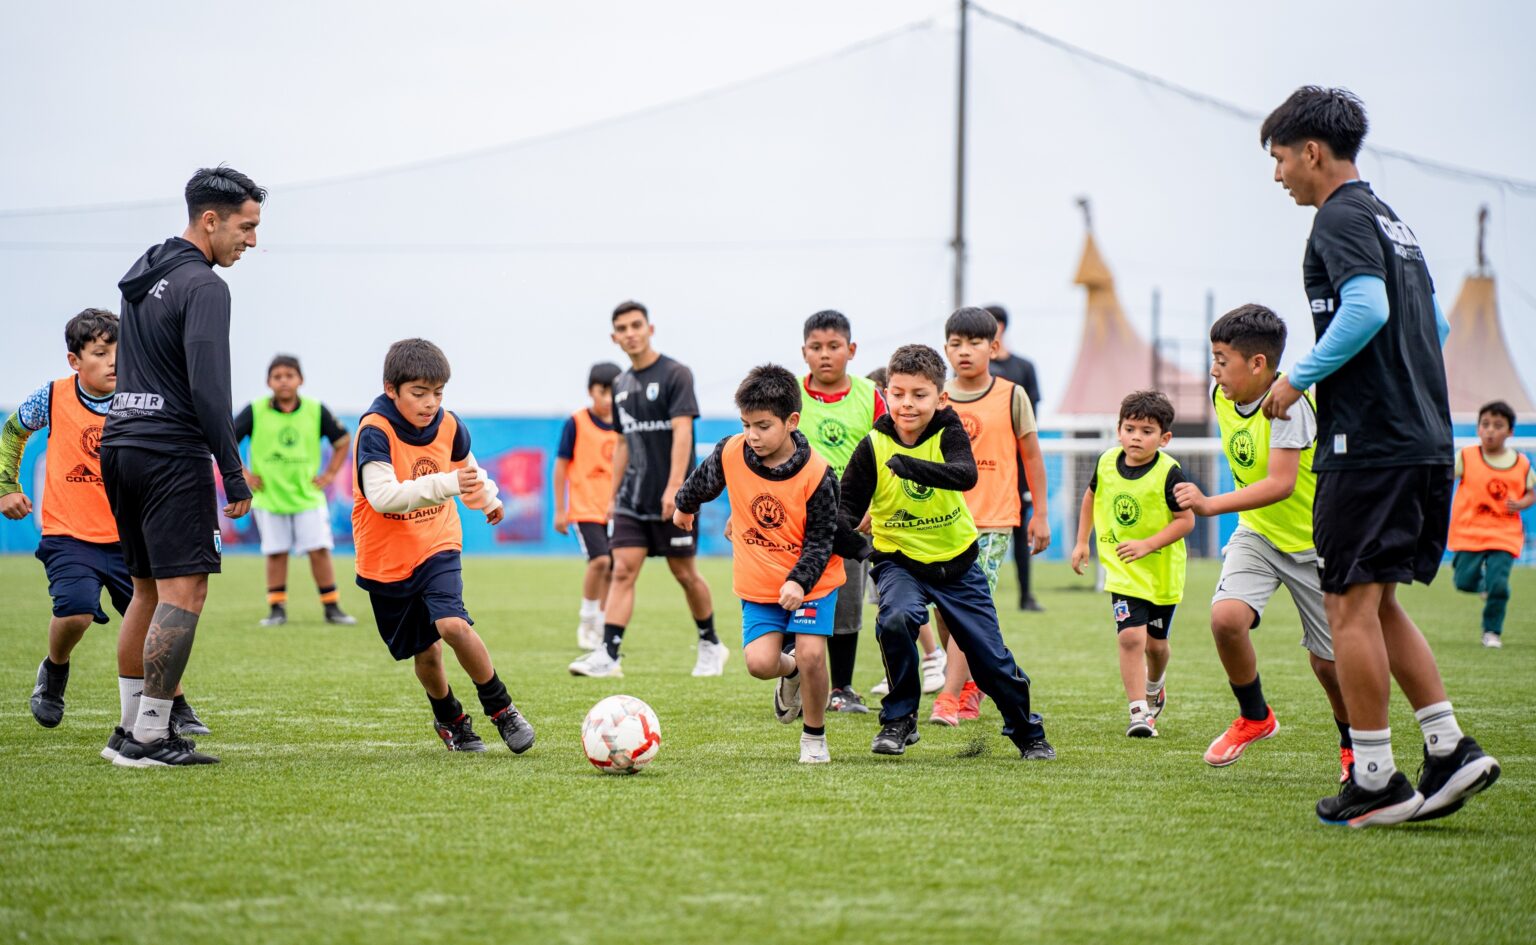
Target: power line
<point>1513,184</point>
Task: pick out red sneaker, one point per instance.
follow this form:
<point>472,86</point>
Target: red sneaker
<point>1238,736</point>
<point>970,701</point>
<point>1346,760</point>
<point>946,710</point>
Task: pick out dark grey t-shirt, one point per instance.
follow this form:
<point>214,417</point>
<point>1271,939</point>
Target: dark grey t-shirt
<point>645,403</point>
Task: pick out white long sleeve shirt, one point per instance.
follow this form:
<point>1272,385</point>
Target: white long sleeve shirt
<point>387,494</point>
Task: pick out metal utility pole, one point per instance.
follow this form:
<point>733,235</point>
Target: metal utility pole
<point>958,244</point>
<point>1157,340</point>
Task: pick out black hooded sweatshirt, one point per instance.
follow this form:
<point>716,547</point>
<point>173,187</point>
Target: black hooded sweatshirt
<point>173,393</point>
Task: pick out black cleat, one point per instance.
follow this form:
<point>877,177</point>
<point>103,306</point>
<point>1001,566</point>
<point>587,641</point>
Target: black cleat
<point>185,722</point>
<point>514,729</point>
<point>846,700</point>
<point>1447,782</point>
<point>276,617</point>
<point>1354,806</point>
<point>334,614</point>
<point>459,736</point>
<point>170,751</point>
<point>895,736</point>
<point>114,743</point>
<point>1032,606</point>
<point>1037,749</point>
<point>48,693</point>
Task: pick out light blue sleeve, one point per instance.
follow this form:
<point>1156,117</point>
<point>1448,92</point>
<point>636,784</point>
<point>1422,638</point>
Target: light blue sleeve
<point>1363,311</point>
<point>1442,326</point>
<point>33,412</point>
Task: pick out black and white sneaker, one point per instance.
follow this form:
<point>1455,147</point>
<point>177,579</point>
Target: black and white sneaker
<point>185,722</point>
<point>1354,806</point>
<point>1447,782</point>
<point>846,700</point>
<point>1037,749</point>
<point>459,736</point>
<point>786,696</point>
<point>170,751</point>
<point>895,736</point>
<point>114,743</point>
<point>334,614</point>
<point>1142,726</point>
<point>276,617</point>
<point>514,729</point>
<point>48,693</point>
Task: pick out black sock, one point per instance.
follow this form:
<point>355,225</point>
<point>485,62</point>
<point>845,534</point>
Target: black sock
<point>613,636</point>
<point>1344,741</point>
<point>55,669</point>
<point>842,651</point>
<point>788,644</point>
<point>1250,700</point>
<point>446,710</point>
<point>493,695</point>
<point>792,673</point>
<point>178,701</point>
<point>815,729</point>
<point>707,629</point>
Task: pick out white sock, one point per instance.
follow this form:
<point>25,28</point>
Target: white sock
<point>1155,686</point>
<point>1373,757</point>
<point>154,720</point>
<point>129,689</point>
<point>591,608</point>
<point>1441,733</point>
<point>1138,707</point>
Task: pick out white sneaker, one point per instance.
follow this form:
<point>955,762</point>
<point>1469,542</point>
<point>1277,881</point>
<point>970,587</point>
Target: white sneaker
<point>589,633</point>
<point>813,749</point>
<point>598,663</point>
<point>711,661</point>
<point>881,688</point>
<point>786,698</point>
<point>1493,641</point>
<point>934,665</point>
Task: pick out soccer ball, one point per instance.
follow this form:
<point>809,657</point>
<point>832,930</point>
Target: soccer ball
<point>621,735</point>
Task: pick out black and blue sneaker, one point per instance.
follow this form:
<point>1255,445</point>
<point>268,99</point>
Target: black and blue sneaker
<point>895,736</point>
<point>1354,806</point>
<point>514,729</point>
<point>184,721</point>
<point>1037,749</point>
<point>170,751</point>
<point>1447,782</point>
<point>48,693</point>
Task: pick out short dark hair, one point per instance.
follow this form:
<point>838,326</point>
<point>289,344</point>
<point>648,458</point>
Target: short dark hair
<point>1336,117</point>
<point>920,360</point>
<point>627,306</point>
<point>1252,329</point>
<point>603,374</point>
<point>999,313</point>
<point>828,320</point>
<point>285,360</point>
<point>880,375</point>
<point>222,190</point>
<point>1499,409</point>
<point>415,359</point>
<point>90,324</point>
<point>771,388</point>
<point>1148,405</point>
<point>971,322</point>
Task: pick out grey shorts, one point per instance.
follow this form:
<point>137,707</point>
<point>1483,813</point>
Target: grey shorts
<point>849,616</point>
<point>1251,571</point>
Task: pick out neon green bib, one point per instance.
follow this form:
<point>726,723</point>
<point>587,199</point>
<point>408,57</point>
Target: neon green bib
<point>835,429</point>
<point>924,524</point>
<point>1131,510</point>
<point>285,453</point>
<point>1286,524</point>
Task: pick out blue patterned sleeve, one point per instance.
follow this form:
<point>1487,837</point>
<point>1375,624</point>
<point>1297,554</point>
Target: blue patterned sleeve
<point>33,412</point>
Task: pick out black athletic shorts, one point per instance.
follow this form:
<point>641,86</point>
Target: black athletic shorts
<point>593,538</point>
<point>407,613</point>
<point>1137,612</point>
<point>167,511</point>
<point>77,573</point>
<point>659,539</point>
<point>1381,526</point>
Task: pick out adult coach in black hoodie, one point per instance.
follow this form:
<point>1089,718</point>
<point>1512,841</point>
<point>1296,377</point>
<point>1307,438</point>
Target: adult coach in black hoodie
<point>172,409</point>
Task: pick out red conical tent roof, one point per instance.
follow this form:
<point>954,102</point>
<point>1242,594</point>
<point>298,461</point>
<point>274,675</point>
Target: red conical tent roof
<point>1477,363</point>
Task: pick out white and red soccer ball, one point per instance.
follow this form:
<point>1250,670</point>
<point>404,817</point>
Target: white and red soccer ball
<point>621,735</point>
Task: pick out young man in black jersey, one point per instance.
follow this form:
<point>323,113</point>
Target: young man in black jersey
<point>655,407</point>
<point>1383,459</point>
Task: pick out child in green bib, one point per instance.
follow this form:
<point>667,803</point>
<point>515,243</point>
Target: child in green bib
<point>1130,503</point>
<point>288,486</point>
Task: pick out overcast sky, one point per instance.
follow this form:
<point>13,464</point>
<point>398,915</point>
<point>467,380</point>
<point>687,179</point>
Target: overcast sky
<point>804,182</point>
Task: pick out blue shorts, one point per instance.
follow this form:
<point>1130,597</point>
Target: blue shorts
<point>814,617</point>
<point>77,572</point>
<point>407,612</point>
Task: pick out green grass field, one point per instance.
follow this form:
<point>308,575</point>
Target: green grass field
<point>337,817</point>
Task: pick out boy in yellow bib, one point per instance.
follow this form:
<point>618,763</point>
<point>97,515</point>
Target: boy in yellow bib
<point>1130,503</point>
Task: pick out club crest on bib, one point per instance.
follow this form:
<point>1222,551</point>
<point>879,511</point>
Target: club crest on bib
<point>90,441</point>
<point>425,466</point>
<point>916,492</point>
<point>1498,490</point>
<point>768,511</point>
<point>607,450</point>
<point>972,425</point>
<point>288,437</point>
<point>831,431</point>
<point>1127,509</point>
<point>1241,449</point>
<point>651,390</point>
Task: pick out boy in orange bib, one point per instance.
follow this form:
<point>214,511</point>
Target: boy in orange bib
<point>1494,486</point>
<point>412,458</point>
<point>583,492</point>
<point>783,528</point>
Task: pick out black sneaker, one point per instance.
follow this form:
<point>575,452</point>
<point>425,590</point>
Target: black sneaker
<point>172,751</point>
<point>846,700</point>
<point>1354,806</point>
<point>1032,606</point>
<point>277,617</point>
<point>48,694</point>
<point>114,743</point>
<point>1037,749</point>
<point>895,736</point>
<point>459,736</point>
<point>514,729</point>
<point>185,722</point>
<point>1447,782</point>
<point>334,614</point>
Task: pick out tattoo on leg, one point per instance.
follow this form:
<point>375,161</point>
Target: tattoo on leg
<point>166,648</point>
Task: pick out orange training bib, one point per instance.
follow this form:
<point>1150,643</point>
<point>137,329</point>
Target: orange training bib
<point>391,545</point>
<point>994,500</point>
<point>74,500</point>
<point>1479,519</point>
<point>768,527</point>
<point>590,473</point>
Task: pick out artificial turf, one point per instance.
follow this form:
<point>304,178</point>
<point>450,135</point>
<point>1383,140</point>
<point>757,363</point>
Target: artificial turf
<point>336,816</point>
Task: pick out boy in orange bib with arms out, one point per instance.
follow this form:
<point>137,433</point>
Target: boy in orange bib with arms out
<point>783,530</point>
<point>1496,485</point>
<point>583,490</point>
<point>412,458</point>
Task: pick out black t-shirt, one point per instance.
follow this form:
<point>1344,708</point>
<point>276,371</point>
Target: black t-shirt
<point>1127,471</point>
<point>1022,372</point>
<point>645,402</point>
<point>1388,405</point>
